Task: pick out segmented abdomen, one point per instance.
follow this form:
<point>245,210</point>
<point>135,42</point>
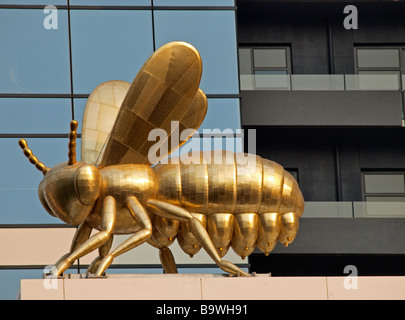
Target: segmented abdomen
<point>243,200</point>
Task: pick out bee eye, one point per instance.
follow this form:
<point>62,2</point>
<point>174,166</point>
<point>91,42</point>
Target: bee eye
<point>43,200</point>
<point>87,184</point>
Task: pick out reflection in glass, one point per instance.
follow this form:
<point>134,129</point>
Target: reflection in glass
<point>380,58</point>
<point>19,203</point>
<point>32,58</point>
<point>35,115</point>
<point>270,58</point>
<point>109,45</point>
<point>213,34</point>
<point>193,2</point>
<point>384,183</point>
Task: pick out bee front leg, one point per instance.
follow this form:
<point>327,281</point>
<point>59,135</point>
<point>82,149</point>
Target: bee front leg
<point>141,216</point>
<point>172,211</point>
<point>108,216</point>
<point>82,234</point>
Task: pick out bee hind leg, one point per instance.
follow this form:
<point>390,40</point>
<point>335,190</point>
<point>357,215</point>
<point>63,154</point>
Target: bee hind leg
<point>165,256</point>
<point>171,211</point>
<point>141,216</point>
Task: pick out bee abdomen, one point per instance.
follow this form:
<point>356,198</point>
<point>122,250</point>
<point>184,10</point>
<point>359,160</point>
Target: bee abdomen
<point>248,201</point>
<point>245,236</point>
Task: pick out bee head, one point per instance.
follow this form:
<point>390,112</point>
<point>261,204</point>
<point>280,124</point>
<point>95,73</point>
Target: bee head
<point>68,190</point>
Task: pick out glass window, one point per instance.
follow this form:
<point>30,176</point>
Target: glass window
<point>381,66</point>
<point>111,3</point>
<point>245,61</point>
<point>36,115</point>
<point>108,45</point>
<point>222,114</point>
<point>384,195</point>
<point>33,59</point>
<point>10,281</point>
<point>384,183</point>
<point>214,36</point>
<point>193,3</point>
<point>34,2</point>
<point>19,179</point>
<point>265,68</point>
<point>253,59</point>
<point>380,58</point>
<point>270,58</point>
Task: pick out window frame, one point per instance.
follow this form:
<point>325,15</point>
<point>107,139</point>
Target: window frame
<point>400,69</point>
<point>366,195</point>
<point>287,49</point>
<point>287,68</point>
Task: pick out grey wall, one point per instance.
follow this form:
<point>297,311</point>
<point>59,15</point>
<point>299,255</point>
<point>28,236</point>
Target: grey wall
<point>305,27</point>
<point>320,153</point>
<point>326,108</point>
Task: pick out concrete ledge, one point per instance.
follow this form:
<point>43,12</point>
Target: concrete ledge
<point>210,287</point>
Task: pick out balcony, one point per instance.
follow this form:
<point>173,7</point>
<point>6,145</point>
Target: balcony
<point>356,209</point>
<point>349,228</point>
<point>335,100</point>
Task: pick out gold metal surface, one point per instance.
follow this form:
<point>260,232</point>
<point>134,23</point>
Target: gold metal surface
<point>33,159</point>
<point>186,239</point>
<point>220,228</point>
<point>72,142</point>
<point>162,92</point>
<point>99,115</point>
<point>246,230</point>
<point>208,200</point>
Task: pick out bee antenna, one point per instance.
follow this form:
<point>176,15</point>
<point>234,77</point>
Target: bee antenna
<point>33,159</point>
<point>72,142</point>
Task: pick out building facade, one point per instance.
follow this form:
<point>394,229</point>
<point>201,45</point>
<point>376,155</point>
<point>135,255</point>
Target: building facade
<point>52,58</point>
<point>320,83</point>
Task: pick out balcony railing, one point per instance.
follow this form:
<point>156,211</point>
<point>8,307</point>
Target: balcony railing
<point>356,209</point>
<point>334,82</point>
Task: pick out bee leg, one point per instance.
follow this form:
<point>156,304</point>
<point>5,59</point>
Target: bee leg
<point>108,215</point>
<point>82,234</point>
<point>166,257</point>
<point>172,211</point>
<point>141,216</point>
<point>102,252</point>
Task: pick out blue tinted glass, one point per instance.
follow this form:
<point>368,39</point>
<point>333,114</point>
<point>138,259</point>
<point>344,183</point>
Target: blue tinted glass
<point>222,114</point>
<point>193,2</point>
<point>37,115</point>
<point>33,59</point>
<point>108,45</point>
<point>19,179</point>
<point>214,36</point>
<point>10,281</point>
<point>34,2</point>
<point>111,2</point>
<point>79,104</point>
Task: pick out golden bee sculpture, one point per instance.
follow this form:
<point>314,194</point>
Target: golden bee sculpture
<point>116,189</point>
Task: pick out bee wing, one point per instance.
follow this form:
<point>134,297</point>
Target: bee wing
<point>162,92</point>
<point>99,115</point>
<point>195,115</point>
